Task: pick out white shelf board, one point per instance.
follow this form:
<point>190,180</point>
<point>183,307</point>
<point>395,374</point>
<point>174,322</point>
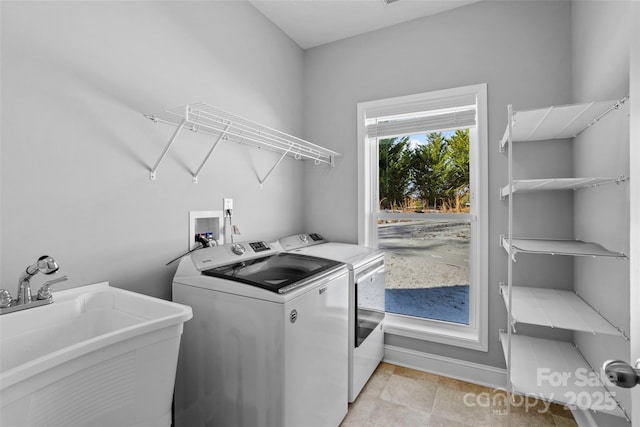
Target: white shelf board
<point>556,122</point>
<point>557,372</point>
<point>559,247</point>
<point>556,309</point>
<point>529,185</point>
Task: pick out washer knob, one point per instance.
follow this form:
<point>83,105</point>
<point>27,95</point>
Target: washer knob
<point>304,238</point>
<point>238,249</point>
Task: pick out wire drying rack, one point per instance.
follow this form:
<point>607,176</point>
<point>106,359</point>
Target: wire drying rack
<point>210,120</point>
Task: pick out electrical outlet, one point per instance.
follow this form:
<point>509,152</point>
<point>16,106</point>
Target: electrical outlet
<point>227,207</point>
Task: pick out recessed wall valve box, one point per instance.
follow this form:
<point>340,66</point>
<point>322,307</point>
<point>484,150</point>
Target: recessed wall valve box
<point>205,227</point>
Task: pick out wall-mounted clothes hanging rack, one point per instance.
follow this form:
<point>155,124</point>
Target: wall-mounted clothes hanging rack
<point>213,121</point>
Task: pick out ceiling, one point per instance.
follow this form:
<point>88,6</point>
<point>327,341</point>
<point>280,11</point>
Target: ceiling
<point>313,23</point>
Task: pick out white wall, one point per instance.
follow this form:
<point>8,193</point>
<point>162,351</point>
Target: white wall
<point>600,58</point>
<point>76,150</point>
<point>521,49</point>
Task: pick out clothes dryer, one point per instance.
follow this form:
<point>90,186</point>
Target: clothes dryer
<point>366,300</point>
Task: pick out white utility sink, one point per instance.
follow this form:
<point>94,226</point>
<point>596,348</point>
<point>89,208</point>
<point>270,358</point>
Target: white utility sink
<point>98,356</point>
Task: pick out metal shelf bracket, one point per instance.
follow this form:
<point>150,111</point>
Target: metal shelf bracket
<point>261,181</point>
<point>164,152</point>
<point>206,158</point>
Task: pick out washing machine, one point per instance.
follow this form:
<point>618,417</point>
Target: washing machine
<point>366,300</point>
<point>268,342</point>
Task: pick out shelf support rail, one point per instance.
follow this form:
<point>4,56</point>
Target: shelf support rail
<point>512,258</point>
<point>613,107</point>
<point>618,180</point>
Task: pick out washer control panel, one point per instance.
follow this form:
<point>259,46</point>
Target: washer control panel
<point>220,255</point>
<point>259,246</point>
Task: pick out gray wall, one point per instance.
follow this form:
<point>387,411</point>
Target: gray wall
<point>76,149</point>
<point>600,57</point>
<point>521,49</point>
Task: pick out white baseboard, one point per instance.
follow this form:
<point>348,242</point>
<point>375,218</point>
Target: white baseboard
<point>462,370</point>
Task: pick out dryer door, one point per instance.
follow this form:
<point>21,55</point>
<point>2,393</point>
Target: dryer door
<point>369,300</point>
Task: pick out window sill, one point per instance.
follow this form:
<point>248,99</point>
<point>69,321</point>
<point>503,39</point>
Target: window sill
<point>435,331</point>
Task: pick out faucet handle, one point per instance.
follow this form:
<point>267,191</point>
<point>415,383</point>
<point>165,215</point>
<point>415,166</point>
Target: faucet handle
<point>45,292</point>
<point>5,298</point>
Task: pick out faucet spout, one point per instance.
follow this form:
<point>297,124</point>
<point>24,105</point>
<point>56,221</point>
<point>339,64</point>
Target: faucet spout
<point>46,264</point>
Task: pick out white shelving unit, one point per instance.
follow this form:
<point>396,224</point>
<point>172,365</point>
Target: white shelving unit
<point>210,120</point>
<point>529,359</point>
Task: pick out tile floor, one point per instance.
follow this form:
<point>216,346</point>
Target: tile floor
<point>402,397</point>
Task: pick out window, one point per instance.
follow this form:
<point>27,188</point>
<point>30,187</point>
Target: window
<point>442,114</point>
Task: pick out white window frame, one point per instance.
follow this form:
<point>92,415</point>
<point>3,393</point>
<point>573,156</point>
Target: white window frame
<point>472,336</point>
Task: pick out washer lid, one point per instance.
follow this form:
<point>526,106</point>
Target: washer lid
<point>277,273</point>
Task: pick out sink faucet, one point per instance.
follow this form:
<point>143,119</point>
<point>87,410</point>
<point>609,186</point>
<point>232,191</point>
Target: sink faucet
<point>24,299</point>
<point>46,264</point>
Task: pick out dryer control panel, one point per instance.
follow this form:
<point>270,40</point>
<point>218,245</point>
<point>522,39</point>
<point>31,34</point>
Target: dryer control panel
<point>298,241</point>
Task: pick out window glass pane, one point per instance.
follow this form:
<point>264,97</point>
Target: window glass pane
<point>427,267</point>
